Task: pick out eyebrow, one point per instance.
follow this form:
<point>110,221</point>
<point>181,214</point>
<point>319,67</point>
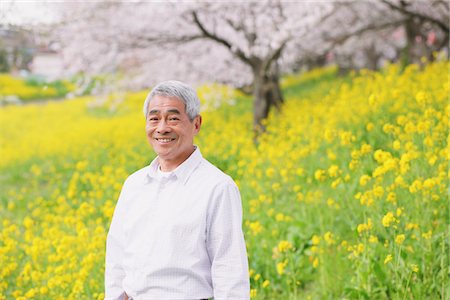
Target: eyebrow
<point>173,111</point>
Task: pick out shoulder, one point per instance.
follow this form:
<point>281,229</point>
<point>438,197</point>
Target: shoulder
<point>137,177</point>
<point>210,175</point>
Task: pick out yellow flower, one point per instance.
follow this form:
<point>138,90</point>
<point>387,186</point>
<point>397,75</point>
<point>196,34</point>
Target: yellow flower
<point>400,181</point>
<point>315,240</point>
<point>369,223</point>
<point>270,172</point>
<point>378,191</point>
<point>427,235</point>
<point>361,228</point>
<point>346,138</point>
<point>411,226</point>
<point>399,239</point>
<point>281,266</point>
<point>396,145</point>
<point>414,268</point>
<point>401,120</point>
<point>28,222</point>
<point>255,227</point>
<point>330,202</point>
<point>266,283</point>
<point>388,219</point>
<point>344,244</point>
<point>428,141</point>
<point>388,128</point>
<point>388,258</point>
<point>429,183</point>
<point>329,135</point>
<point>381,156</point>
<point>415,186</point>
<point>328,237</point>
<point>353,164</point>
<point>365,227</point>
<point>364,180</point>
<point>315,262</point>
<point>253,293</point>
<point>320,175</point>
<point>360,247</point>
<point>30,293</point>
<point>391,197</point>
<point>333,171</point>
<point>280,217</point>
<point>422,97</point>
<point>284,246</point>
<point>366,148</point>
<point>372,100</point>
<point>373,239</point>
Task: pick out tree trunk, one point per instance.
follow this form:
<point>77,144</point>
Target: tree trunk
<point>372,57</point>
<point>266,93</point>
<point>407,52</point>
<point>260,105</point>
<point>274,91</point>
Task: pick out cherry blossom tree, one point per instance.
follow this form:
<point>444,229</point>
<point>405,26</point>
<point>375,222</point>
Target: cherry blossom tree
<point>425,27</point>
<point>389,30</point>
<point>244,44</point>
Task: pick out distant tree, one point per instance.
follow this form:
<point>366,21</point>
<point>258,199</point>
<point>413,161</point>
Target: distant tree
<point>426,27</point>
<point>389,30</point>
<point>4,64</point>
<point>16,48</point>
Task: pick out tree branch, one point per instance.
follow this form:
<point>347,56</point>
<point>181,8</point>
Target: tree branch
<point>419,15</point>
<point>339,40</point>
<point>274,56</point>
<point>207,34</point>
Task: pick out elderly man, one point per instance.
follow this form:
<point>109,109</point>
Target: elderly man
<point>176,232</point>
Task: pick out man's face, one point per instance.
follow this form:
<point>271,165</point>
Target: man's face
<point>169,129</point>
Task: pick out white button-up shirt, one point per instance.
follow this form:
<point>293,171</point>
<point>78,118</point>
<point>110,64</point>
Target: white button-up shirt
<point>177,236</point>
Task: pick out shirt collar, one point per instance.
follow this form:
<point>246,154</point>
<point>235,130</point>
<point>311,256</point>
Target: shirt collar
<point>182,172</point>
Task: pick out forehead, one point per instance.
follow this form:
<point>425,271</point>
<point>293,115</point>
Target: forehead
<point>163,103</point>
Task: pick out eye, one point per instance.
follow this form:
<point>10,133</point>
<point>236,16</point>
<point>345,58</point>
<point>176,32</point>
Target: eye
<point>152,119</point>
<point>173,119</point>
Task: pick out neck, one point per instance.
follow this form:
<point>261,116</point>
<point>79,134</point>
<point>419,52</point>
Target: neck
<point>168,165</point>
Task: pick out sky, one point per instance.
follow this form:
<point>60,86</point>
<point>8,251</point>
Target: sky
<point>27,12</point>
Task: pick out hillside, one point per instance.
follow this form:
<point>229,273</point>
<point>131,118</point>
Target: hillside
<point>344,196</point>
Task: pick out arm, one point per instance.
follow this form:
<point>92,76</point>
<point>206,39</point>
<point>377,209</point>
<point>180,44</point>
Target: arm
<point>226,246</point>
<point>114,273</point>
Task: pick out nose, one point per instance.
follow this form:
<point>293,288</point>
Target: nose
<point>162,127</point>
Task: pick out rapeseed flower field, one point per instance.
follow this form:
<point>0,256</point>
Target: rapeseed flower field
<point>345,195</point>
<point>31,89</point>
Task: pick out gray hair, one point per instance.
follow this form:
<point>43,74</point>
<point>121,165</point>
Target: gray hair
<point>179,90</point>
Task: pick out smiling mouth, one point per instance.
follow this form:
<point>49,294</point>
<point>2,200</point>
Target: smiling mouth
<point>165,140</point>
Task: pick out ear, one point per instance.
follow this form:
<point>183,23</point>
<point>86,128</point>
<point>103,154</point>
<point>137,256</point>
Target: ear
<point>197,124</point>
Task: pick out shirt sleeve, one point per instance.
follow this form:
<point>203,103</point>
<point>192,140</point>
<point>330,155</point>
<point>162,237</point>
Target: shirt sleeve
<point>114,272</point>
<point>226,245</point>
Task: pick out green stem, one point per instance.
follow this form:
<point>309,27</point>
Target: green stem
<point>407,284</point>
